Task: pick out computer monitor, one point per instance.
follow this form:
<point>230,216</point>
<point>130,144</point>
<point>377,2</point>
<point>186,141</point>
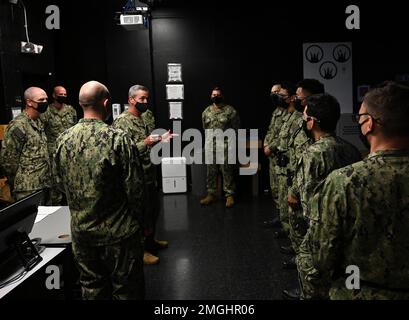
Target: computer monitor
<point>18,217</point>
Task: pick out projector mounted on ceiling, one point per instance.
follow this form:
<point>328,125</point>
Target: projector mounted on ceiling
<point>31,48</point>
<point>129,20</point>
<point>27,46</point>
<point>134,15</point>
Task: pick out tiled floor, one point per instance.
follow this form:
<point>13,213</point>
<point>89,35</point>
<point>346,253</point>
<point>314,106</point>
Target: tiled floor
<point>217,253</point>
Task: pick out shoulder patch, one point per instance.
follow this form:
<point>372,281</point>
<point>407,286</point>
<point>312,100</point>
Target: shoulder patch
<point>19,134</point>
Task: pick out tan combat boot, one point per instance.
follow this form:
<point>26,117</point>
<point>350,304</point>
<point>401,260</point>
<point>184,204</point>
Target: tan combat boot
<point>161,244</point>
<point>149,259</point>
<point>229,202</point>
<point>210,198</point>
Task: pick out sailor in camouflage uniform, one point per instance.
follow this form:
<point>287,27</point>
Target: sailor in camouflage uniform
<point>58,118</point>
<point>297,144</point>
<point>24,154</point>
<point>279,149</point>
<point>138,122</point>
<point>359,213</point>
<point>220,116</point>
<point>149,120</point>
<point>269,143</point>
<point>99,169</point>
<point>327,153</point>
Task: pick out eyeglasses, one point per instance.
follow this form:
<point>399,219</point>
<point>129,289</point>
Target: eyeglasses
<point>308,118</point>
<point>357,117</point>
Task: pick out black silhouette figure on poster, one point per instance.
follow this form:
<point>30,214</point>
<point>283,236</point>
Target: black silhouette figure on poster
<point>314,54</point>
<point>328,70</point>
<point>341,53</point>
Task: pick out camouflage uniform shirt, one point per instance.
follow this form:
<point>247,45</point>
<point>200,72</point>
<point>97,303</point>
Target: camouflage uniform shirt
<point>289,126</point>
<point>149,120</point>
<point>318,160</point>
<point>99,169</point>
<point>56,122</point>
<point>297,145</point>
<point>223,119</point>
<point>24,155</point>
<point>360,218</point>
<point>138,130</point>
<point>274,128</point>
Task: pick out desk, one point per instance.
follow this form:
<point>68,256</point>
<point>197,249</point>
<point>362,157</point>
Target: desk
<point>48,255</point>
<point>55,229</point>
<point>55,233</point>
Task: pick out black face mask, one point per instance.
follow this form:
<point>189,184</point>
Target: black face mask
<point>142,107</point>
<point>216,100</point>
<point>298,106</point>
<point>42,106</point>
<point>307,132</point>
<point>61,99</point>
<point>363,138</point>
<point>278,101</point>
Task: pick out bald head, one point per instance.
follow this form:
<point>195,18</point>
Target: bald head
<point>35,94</point>
<point>60,91</point>
<point>35,102</point>
<point>93,94</point>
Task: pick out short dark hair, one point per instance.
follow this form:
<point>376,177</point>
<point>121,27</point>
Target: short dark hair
<point>217,88</point>
<point>388,103</point>
<point>291,89</point>
<point>313,86</point>
<point>326,109</point>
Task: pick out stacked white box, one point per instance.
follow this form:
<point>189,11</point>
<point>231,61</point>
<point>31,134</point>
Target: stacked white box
<point>174,175</point>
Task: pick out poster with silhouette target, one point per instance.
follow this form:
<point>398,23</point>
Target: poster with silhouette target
<point>331,64</point>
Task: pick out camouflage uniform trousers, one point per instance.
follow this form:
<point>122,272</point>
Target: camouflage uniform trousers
<point>366,292</point>
<point>274,182</point>
<point>228,172</point>
<point>151,215</point>
<point>283,202</point>
<point>45,200</point>
<point>298,228</point>
<point>111,272</point>
<point>57,197</point>
<point>311,284</point>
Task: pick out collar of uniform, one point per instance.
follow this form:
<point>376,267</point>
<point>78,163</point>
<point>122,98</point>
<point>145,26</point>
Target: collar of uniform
<point>130,114</point>
<point>325,135</point>
<point>54,110</point>
<point>218,109</point>
<point>389,153</point>
<point>34,122</point>
<point>138,120</point>
<point>90,121</point>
